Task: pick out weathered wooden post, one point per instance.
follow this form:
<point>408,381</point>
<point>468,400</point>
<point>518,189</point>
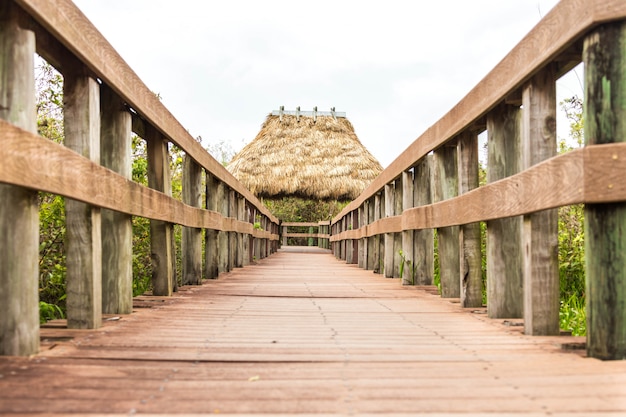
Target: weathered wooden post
<point>191,243</point>
<point>470,261</point>
<point>408,276</point>
<point>245,212</point>
<point>372,244</point>
<point>388,267</point>
<point>379,251</point>
<point>540,232</point>
<point>117,228</point>
<point>161,232</point>
<point>504,236</point>
<point>232,236</point>
<point>211,247</point>
<point>81,110</point>
<point>398,200</point>
<point>19,212</point>
<point>424,239</point>
<point>605,224</point>
<point>222,237</point>
<point>362,262</point>
<point>446,187</point>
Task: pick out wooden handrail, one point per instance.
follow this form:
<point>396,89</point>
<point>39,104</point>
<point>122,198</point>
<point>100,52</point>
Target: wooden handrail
<point>549,40</point>
<point>69,26</point>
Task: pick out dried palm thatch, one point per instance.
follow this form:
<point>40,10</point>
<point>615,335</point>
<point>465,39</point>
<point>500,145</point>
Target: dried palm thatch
<point>318,159</point>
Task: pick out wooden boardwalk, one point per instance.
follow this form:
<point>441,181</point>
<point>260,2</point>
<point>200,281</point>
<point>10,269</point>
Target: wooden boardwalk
<point>303,333</point>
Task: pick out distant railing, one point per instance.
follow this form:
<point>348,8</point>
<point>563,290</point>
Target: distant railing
<point>318,233</point>
<point>104,102</point>
<point>433,185</point>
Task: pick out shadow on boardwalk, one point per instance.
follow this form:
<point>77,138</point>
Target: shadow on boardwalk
<point>304,333</point>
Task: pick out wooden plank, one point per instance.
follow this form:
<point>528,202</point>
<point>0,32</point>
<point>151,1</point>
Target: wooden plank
<point>160,231</point>
<point>605,224</point>
<point>505,277</point>
<point>540,232</point>
<point>81,110</point>
<point>19,212</point>
<point>273,338</point>
<point>470,261</point>
<point>191,244</point>
<point>445,186</point>
<point>117,228</point>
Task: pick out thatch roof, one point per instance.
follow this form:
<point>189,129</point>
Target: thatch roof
<point>318,159</point>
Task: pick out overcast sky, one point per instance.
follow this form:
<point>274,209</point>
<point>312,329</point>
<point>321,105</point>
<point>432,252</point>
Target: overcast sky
<point>395,67</point>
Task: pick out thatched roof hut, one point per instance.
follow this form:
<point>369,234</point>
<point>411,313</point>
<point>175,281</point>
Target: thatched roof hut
<point>313,157</point>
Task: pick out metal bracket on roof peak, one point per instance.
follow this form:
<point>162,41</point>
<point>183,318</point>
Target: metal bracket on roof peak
<point>315,113</point>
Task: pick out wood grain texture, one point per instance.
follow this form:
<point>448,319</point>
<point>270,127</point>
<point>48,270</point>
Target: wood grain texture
<point>76,33</point>
<point>540,232</point>
<point>567,21</point>
<point>446,186</point>
<point>305,334</point>
<point>504,252</point>
<point>67,173</point>
<point>605,224</point>
<point>81,110</point>
<point>470,256</point>
<point>191,242</point>
<point>588,175</point>
<point>19,211</point>
<point>117,228</point>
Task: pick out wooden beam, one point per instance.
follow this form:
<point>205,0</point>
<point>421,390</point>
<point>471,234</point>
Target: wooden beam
<point>19,212</point>
<point>605,224</point>
<point>117,228</point>
<point>408,198</point>
<point>446,187</point>
<point>470,261</point>
<point>211,251</point>
<point>81,96</point>
<point>191,243</point>
<point>160,231</point>
<point>424,238</point>
<point>540,232</point>
<point>389,235</point>
<point>504,235</point>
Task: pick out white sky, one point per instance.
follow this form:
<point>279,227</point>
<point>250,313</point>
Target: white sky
<point>395,66</point>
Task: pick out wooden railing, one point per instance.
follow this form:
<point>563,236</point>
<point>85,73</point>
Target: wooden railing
<point>433,185</point>
<point>320,232</point>
<point>104,102</point>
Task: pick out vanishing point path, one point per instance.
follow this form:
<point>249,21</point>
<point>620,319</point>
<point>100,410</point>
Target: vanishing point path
<point>304,333</point>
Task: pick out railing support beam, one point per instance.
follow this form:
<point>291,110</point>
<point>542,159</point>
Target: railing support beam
<point>191,244</point>
<point>445,187</point>
<point>117,228</point>
<point>161,233</point>
<point>540,232</point>
<point>605,224</point>
<point>470,261</point>
<point>83,222</point>
<point>19,215</point>
<point>504,236</point>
